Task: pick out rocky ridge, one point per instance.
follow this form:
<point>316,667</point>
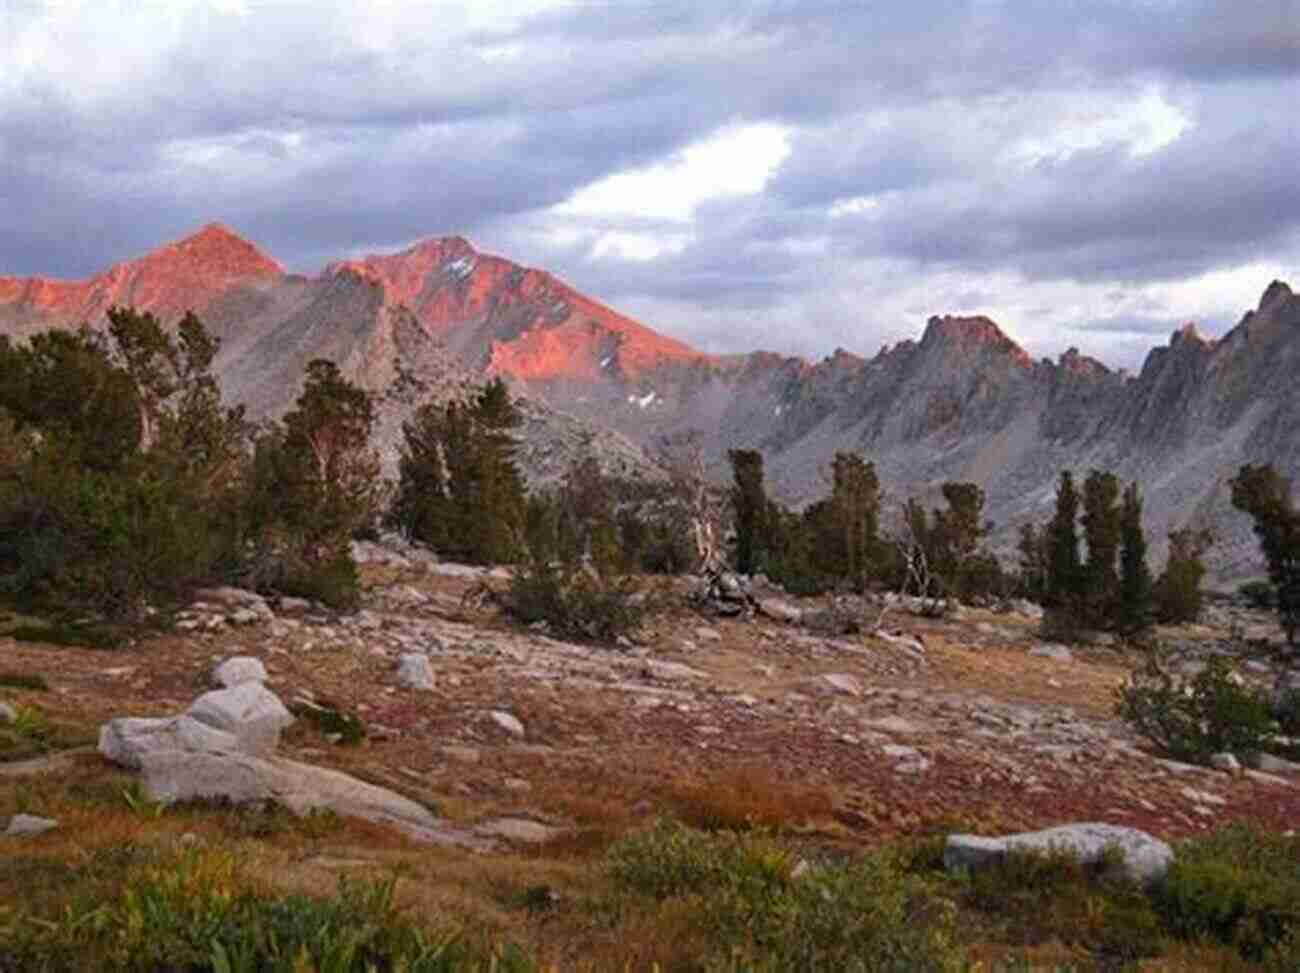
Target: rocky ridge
<point>963,402</point>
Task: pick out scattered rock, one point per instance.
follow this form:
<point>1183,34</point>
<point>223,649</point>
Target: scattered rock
<point>235,599</point>
<point>1226,762</point>
<point>126,740</point>
<point>27,825</point>
<point>1022,606</point>
<point>293,607</point>
<point>670,671</point>
<point>508,722</point>
<point>1145,858</point>
<point>1204,797</point>
<point>1048,650</point>
<point>901,640</point>
<point>1275,765</point>
<point>724,593</point>
<point>909,759</point>
<point>8,714</point>
<point>239,669</point>
<point>250,711</point>
<point>780,610</point>
<point>893,724</point>
<point>520,830</point>
<point>414,671</point>
<point>842,683</point>
<point>247,779</point>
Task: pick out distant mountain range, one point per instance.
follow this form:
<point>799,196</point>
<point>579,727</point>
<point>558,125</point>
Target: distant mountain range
<point>963,402</point>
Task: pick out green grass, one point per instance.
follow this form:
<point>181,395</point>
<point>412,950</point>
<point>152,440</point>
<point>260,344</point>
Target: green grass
<point>33,734</point>
<point>671,898</point>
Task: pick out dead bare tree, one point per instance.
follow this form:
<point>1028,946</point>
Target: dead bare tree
<point>911,543</point>
<point>681,456</point>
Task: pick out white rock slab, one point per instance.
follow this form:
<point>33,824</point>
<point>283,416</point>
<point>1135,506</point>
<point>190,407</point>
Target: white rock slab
<point>1145,858</point>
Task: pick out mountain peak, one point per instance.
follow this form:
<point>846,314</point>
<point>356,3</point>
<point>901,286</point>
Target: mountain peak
<point>1188,334</point>
<point>218,250</point>
<point>972,333</point>
<point>1275,293</point>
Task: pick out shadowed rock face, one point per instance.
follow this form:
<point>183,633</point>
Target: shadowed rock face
<point>963,402</point>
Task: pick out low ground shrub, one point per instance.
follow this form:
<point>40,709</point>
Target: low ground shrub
<point>1190,719</point>
<point>761,908</point>
<point>575,602</point>
<point>1034,898</point>
<point>195,911</point>
<point>1238,886</point>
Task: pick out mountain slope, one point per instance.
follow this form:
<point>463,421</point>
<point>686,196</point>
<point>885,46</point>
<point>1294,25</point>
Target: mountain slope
<point>962,402</point>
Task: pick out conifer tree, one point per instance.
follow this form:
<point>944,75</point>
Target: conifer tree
<point>955,535</point>
<point>460,490</point>
<point>1064,587</point>
<point>749,504</point>
<point>854,514</point>
<point>1264,494</point>
<point>1102,530</point>
<point>1178,590</point>
<point>1033,561</point>
<point>1133,609</point>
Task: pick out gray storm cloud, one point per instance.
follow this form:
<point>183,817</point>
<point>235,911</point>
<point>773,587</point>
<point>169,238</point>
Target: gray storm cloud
<point>1030,153</point>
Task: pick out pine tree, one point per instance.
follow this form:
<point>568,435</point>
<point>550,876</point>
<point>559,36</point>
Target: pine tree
<point>316,482</point>
<point>1064,587</point>
<point>460,490</point>
<point>1178,589</point>
<point>1133,610</point>
<point>749,504</point>
<point>955,536</point>
<point>1033,562</point>
<point>422,507</point>
<point>1261,492</point>
<point>1102,530</point>
<point>853,512</point>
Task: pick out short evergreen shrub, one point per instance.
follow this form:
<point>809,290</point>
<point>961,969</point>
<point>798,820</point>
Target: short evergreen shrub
<point>575,602</point>
<point>1190,719</point>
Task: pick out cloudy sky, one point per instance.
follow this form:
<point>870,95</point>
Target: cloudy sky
<point>795,175</point>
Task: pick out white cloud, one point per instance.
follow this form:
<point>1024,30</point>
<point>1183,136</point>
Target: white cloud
<point>1088,121</point>
<point>735,161</point>
<point>853,206</point>
<point>636,246</point>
